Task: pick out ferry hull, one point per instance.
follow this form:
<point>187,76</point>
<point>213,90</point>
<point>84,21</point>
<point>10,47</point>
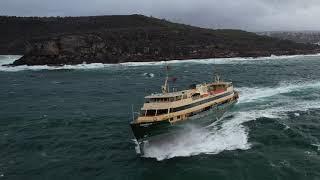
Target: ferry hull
<point>148,131</point>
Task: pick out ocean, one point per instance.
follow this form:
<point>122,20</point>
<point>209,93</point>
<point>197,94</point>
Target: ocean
<point>72,122</point>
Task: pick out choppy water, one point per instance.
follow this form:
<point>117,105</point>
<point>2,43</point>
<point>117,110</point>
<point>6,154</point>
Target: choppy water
<point>71,122</point>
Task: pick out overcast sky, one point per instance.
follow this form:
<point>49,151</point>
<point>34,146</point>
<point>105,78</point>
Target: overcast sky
<point>252,15</point>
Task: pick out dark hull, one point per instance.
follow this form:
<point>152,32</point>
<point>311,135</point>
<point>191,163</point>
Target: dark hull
<point>146,131</point>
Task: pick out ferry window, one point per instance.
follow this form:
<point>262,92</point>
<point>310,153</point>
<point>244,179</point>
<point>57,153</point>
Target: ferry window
<point>178,98</point>
<point>151,113</point>
<point>193,86</point>
<point>181,108</point>
<point>162,111</point>
<point>185,96</point>
<point>196,95</point>
<point>178,117</point>
<point>143,112</point>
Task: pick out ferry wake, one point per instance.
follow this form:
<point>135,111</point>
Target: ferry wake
<point>167,112</point>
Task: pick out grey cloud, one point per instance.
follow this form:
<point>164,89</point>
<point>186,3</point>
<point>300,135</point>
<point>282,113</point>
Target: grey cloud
<point>253,15</point>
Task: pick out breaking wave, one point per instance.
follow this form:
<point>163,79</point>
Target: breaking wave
<point>229,133</point>
<point>258,94</point>
<point>7,59</point>
<point>220,60</point>
<point>149,75</point>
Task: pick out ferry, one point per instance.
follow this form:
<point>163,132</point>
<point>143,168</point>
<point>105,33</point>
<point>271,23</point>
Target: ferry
<point>165,112</point>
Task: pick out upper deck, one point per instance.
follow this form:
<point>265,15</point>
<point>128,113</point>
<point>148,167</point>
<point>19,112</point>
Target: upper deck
<point>201,88</point>
<point>167,95</point>
<point>175,99</point>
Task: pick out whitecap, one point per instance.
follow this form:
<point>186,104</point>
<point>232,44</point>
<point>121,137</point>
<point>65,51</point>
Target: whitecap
<point>150,75</point>
<point>259,93</point>
<point>235,60</point>
<point>8,59</point>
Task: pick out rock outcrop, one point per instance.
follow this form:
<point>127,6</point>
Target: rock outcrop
<point>68,49</point>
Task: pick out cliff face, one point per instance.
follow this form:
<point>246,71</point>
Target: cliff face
<point>16,32</point>
<point>68,49</point>
<point>139,38</point>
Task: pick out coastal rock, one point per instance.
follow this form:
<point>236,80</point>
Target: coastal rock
<point>69,49</point>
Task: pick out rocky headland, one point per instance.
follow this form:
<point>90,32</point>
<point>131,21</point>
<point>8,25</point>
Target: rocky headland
<point>117,39</point>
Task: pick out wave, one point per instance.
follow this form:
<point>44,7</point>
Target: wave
<point>230,133</point>
<point>253,94</point>
<point>7,59</point>
<point>149,75</point>
<point>198,141</point>
<point>235,60</point>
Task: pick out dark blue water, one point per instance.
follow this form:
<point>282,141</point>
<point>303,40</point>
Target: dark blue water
<point>72,122</point>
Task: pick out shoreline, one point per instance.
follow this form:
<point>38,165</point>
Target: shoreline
<point>213,61</point>
<point>160,61</point>
<point>11,64</point>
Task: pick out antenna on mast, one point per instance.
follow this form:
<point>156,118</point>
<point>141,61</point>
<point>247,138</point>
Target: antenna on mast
<point>216,76</point>
<point>132,112</point>
<point>165,87</point>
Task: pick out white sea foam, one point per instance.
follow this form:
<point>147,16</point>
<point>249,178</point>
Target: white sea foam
<point>150,75</point>
<point>254,94</point>
<point>235,60</point>
<point>296,114</point>
<point>7,59</point>
<point>232,134</point>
